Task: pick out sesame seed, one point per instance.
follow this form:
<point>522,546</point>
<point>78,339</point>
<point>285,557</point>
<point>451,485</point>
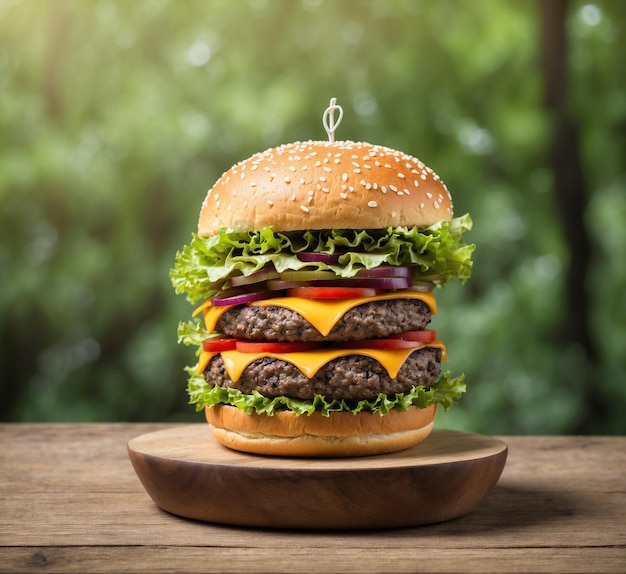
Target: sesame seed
<point>328,169</point>
<point>436,205</point>
<point>423,177</point>
<point>356,170</point>
<point>311,192</point>
<point>325,189</point>
<point>367,166</point>
<point>343,195</point>
<point>393,188</point>
<point>293,197</point>
<point>287,180</point>
<point>372,204</point>
<point>305,208</point>
<point>429,195</point>
<point>253,184</point>
<point>401,175</point>
<point>344,177</point>
<point>421,206</point>
<point>393,214</point>
<point>383,189</point>
<point>270,202</point>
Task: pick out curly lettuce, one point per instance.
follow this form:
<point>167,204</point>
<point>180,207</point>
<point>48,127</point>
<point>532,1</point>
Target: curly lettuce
<point>446,392</point>
<point>437,253</point>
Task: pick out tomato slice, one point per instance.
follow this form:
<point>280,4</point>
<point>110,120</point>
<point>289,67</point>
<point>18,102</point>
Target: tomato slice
<point>425,336</point>
<point>331,292</point>
<point>379,344</point>
<point>218,344</point>
<point>276,347</point>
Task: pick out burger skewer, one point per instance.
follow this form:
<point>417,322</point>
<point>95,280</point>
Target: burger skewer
<point>315,262</point>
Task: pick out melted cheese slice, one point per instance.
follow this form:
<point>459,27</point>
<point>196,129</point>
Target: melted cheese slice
<point>323,314</point>
<point>310,362</point>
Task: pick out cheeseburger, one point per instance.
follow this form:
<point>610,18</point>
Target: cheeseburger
<point>313,272</point>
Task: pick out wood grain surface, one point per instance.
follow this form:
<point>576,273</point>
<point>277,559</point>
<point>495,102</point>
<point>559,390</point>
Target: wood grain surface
<point>70,501</point>
<point>187,472</point>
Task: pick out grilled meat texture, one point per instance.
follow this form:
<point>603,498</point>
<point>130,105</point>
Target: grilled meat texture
<point>349,378</point>
<point>373,320</point>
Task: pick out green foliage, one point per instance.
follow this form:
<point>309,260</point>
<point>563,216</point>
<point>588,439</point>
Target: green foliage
<point>115,118</point>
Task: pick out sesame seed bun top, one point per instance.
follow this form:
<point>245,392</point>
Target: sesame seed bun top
<point>325,185</point>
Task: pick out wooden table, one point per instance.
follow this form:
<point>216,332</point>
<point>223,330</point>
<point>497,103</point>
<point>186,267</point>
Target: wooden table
<point>71,502</point>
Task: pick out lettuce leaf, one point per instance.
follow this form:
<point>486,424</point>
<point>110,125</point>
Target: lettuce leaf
<point>445,393</point>
<point>437,253</point>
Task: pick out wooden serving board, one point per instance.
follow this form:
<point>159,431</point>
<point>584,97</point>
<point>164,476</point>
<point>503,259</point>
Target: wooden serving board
<point>188,473</point>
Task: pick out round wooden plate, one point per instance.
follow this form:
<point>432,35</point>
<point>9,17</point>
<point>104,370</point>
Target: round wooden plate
<point>188,473</point>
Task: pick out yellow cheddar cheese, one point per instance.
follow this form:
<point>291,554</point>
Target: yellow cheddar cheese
<point>323,314</point>
<point>312,361</point>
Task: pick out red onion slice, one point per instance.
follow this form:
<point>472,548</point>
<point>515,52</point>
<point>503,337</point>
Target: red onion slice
<point>229,298</point>
<point>386,271</point>
<point>390,283</point>
<point>312,257</point>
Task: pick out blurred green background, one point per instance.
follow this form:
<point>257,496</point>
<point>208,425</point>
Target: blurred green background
<point>116,117</point>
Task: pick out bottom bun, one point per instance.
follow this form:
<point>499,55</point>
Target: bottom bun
<point>340,434</point>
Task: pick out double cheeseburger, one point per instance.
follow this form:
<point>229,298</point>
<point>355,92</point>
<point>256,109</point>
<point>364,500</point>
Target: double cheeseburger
<point>313,267</point>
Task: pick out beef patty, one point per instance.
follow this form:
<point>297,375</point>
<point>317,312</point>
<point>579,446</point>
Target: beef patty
<point>349,378</point>
<point>373,320</point>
